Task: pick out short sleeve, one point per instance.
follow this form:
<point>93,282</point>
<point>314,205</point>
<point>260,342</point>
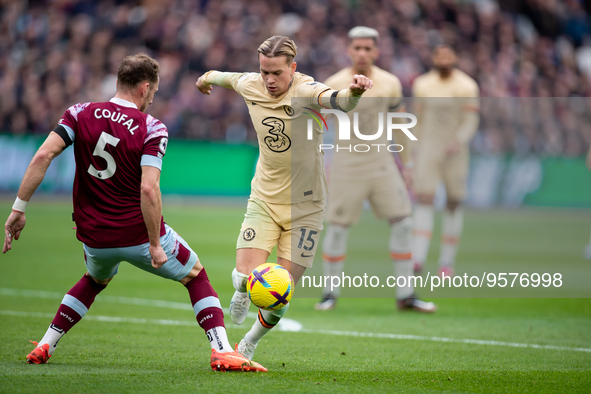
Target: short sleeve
<point>239,81</point>
<point>67,126</point>
<point>312,89</point>
<point>155,143</point>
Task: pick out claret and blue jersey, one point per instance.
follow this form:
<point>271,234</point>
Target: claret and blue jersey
<point>112,141</point>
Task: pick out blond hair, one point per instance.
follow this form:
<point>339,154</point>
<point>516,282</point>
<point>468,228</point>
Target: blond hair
<point>279,46</point>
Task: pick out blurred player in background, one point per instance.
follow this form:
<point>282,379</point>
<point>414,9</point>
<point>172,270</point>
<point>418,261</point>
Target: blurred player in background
<point>373,175</point>
<point>447,111</point>
<point>117,208</point>
<point>286,205</point>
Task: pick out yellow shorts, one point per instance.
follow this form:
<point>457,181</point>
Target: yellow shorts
<point>267,225</point>
<point>387,196</point>
<point>453,171</point>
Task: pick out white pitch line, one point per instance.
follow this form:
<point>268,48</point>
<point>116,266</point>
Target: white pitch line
<point>439,339</point>
<point>109,319</point>
<point>164,322</point>
<point>284,324</point>
<point>289,325</point>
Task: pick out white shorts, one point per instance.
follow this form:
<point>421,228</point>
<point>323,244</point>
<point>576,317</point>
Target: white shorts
<point>104,263</point>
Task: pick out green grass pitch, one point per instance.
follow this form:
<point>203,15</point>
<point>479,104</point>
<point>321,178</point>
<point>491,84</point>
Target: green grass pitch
<point>121,347</point>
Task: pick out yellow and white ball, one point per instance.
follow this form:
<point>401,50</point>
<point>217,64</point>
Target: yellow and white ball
<point>270,286</point>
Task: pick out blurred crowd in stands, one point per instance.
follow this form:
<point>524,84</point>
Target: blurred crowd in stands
<point>56,53</point>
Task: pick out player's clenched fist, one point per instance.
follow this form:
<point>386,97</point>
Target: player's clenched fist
<point>203,87</point>
<point>360,84</point>
<point>158,256</point>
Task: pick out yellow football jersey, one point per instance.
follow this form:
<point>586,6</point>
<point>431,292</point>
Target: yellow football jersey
<point>286,173</point>
<point>441,106</point>
<point>384,97</point>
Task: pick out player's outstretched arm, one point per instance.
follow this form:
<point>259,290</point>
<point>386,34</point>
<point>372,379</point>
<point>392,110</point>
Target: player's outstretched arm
<point>151,203</point>
<point>51,148</point>
<point>225,80</point>
<point>346,99</point>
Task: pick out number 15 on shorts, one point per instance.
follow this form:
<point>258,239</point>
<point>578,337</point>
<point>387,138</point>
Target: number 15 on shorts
<point>307,241</point>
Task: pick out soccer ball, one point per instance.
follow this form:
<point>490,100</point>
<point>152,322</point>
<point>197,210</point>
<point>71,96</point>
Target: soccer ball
<point>270,286</point>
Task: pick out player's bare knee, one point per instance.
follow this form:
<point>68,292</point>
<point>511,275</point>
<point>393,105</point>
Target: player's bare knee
<point>425,199</point>
<point>248,259</point>
<point>397,219</point>
<point>100,281</point>
<point>452,205</point>
<point>193,273</point>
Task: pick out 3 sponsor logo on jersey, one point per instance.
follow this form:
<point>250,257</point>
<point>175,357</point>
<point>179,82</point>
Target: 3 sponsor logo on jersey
<point>116,117</point>
<point>277,141</point>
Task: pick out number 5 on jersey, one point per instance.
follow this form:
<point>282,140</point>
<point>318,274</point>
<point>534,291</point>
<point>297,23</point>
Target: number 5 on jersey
<point>100,151</point>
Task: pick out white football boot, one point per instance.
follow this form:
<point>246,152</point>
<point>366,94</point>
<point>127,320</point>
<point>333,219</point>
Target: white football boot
<point>239,307</point>
<point>327,303</point>
<point>246,348</point>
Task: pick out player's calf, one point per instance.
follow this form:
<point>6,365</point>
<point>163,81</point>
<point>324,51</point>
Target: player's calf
<point>208,311</point>
<point>334,250</point>
<point>72,309</point>
<point>264,323</point>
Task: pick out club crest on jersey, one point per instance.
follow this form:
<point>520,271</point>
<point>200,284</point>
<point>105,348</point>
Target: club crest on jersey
<point>288,110</point>
<point>277,141</point>
<point>248,234</point>
<point>163,144</point>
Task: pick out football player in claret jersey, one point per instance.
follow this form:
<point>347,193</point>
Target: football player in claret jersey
<point>372,175</point>
<point>117,208</point>
<point>288,198</point>
<point>447,112</point>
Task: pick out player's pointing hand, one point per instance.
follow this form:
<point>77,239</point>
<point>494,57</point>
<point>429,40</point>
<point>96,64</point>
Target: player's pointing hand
<point>360,84</point>
<point>203,87</point>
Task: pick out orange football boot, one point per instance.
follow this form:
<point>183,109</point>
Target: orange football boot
<point>39,355</point>
<point>233,361</point>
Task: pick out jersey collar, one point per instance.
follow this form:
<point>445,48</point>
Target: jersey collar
<point>123,103</point>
